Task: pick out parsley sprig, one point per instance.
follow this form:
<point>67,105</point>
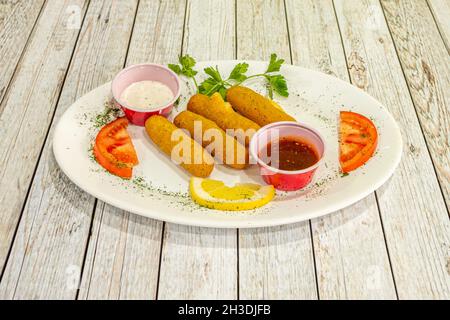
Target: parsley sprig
<point>185,67</point>
<point>275,82</point>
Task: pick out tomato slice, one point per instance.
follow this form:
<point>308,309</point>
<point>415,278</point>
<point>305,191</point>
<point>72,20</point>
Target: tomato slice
<point>116,169</point>
<point>114,150</point>
<point>358,140</point>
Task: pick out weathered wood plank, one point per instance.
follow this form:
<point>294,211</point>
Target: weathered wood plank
<point>200,263</point>
<point>6,9</point>
<point>123,257</point>
<point>441,13</point>
<point>351,256</point>
<point>17,19</point>
<point>47,256</point>
<point>349,249</point>
<point>28,109</point>
<point>426,64</point>
<point>413,210</point>
<point>274,263</point>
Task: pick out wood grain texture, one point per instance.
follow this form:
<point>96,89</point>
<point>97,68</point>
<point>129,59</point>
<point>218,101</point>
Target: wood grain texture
<point>276,262</point>
<point>123,256</point>
<point>201,263</point>
<point>28,109</point>
<point>47,256</point>
<point>413,210</point>
<point>6,9</point>
<point>350,253</point>
<point>124,252</point>
<point>426,64</point>
<point>441,13</point>
<point>17,19</point>
<point>198,263</point>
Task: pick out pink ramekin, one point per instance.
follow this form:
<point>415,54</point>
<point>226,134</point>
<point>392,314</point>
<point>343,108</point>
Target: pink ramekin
<point>142,72</point>
<point>282,179</point>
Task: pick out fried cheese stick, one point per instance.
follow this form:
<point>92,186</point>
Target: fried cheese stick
<point>255,107</point>
<point>182,150</point>
<point>216,109</point>
<point>223,147</point>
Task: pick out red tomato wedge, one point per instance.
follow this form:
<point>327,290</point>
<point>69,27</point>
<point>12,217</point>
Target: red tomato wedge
<point>114,150</point>
<point>358,140</point>
<point>116,169</point>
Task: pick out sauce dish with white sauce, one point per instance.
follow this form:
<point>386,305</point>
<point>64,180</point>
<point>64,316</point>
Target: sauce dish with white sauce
<point>144,90</point>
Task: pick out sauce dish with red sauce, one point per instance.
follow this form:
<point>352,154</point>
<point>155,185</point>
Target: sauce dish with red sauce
<point>288,154</point>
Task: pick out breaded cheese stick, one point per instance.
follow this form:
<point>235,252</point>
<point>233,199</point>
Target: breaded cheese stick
<point>255,107</point>
<point>206,132</point>
<point>216,109</point>
<point>179,146</point>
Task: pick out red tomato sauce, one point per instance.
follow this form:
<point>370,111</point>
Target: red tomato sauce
<point>293,154</point>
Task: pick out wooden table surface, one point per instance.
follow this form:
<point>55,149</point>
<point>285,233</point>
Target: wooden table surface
<point>58,242</point>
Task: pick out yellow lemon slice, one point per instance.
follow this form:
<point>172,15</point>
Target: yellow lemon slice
<point>215,194</point>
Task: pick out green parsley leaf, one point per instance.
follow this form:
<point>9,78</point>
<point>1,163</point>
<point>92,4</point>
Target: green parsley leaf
<point>210,86</point>
<point>207,86</point>
<point>190,73</point>
<point>214,73</point>
<point>269,90</point>
<point>187,62</point>
<point>238,72</point>
<point>185,67</point>
<point>223,92</point>
<point>214,83</point>
<point>278,84</point>
<point>274,64</point>
<point>175,68</point>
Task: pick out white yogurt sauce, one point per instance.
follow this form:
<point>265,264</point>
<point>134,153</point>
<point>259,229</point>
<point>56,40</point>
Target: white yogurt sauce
<point>146,95</point>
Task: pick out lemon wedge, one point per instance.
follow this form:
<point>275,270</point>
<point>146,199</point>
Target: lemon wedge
<point>215,194</point>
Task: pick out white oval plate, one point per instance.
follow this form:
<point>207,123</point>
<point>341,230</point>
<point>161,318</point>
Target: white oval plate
<point>159,189</point>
